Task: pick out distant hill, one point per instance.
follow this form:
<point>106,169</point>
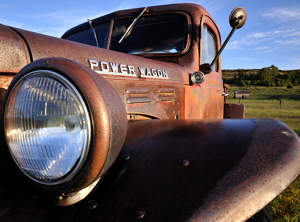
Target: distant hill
<point>269,76</point>
<point>229,73</point>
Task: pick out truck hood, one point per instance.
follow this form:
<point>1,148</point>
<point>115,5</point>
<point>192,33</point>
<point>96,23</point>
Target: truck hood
<point>110,64</point>
<point>14,52</point>
<point>146,86</point>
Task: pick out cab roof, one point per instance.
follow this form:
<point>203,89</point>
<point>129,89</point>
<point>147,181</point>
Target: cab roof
<point>196,12</point>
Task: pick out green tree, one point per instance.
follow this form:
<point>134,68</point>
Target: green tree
<point>267,76</point>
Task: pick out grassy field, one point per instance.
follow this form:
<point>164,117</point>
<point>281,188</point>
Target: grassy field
<point>264,102</point>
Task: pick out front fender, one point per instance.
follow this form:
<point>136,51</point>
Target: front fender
<point>181,170</point>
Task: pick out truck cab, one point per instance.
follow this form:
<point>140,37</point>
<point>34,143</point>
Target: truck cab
<point>182,37</point>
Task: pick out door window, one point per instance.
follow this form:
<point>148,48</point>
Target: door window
<point>209,46</point>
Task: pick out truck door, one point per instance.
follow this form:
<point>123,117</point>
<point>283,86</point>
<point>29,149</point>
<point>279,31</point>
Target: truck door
<point>212,101</point>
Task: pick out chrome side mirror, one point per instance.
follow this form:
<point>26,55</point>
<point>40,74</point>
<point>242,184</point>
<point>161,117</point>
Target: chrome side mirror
<point>239,16</point>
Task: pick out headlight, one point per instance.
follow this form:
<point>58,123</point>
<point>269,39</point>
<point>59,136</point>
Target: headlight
<point>65,125</point>
<point>47,127</point>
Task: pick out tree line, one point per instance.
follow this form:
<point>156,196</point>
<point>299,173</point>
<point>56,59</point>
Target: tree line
<point>269,76</point>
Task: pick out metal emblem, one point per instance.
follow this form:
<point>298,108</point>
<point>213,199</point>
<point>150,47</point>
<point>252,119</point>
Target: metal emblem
<point>110,68</point>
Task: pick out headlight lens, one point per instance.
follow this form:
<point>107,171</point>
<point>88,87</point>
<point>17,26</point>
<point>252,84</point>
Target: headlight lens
<point>47,127</point>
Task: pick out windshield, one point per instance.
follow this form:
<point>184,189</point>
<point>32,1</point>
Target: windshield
<point>151,34</point>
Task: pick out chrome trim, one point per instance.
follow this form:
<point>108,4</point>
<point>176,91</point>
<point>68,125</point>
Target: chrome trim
<point>74,197</point>
<point>197,77</point>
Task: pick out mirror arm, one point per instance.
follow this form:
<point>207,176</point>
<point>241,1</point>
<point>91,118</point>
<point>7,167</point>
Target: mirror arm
<point>209,66</point>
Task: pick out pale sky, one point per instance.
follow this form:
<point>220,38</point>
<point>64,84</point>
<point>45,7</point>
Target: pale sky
<point>271,34</point>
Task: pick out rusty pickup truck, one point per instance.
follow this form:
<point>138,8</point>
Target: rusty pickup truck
<point>125,118</point>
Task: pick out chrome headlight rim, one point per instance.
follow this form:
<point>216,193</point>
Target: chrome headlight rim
<point>79,165</point>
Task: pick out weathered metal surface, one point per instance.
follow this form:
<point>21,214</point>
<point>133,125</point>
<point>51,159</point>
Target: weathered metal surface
<point>235,167</point>
<point>44,46</point>
<point>14,53</point>
<point>234,111</point>
<point>5,80</point>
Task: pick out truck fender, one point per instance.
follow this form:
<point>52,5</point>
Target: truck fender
<point>183,170</point>
<point>207,170</point>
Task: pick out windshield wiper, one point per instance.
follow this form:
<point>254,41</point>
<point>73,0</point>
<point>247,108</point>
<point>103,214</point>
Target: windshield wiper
<point>129,29</point>
<point>93,29</point>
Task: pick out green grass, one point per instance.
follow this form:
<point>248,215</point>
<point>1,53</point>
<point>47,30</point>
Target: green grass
<point>264,102</point>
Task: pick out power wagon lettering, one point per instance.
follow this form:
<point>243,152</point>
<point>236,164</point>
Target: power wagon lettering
<point>103,67</point>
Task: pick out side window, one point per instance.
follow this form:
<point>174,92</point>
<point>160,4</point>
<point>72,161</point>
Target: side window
<point>86,36</point>
<point>209,46</point>
<point>102,31</point>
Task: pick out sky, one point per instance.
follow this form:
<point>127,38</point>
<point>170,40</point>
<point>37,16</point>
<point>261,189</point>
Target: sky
<point>271,35</point>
